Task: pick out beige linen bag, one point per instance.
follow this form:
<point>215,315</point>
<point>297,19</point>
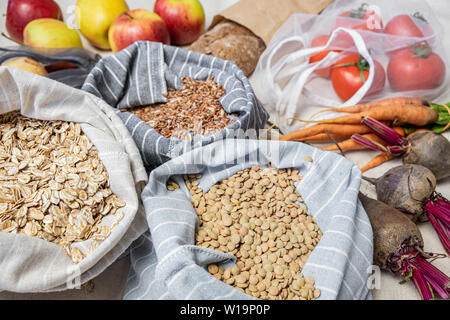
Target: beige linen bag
<point>29,264</point>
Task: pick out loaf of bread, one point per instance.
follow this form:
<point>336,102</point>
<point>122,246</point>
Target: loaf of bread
<point>231,41</point>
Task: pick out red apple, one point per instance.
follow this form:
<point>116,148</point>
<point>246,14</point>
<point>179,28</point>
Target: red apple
<point>21,12</point>
<point>135,25</point>
<point>185,19</point>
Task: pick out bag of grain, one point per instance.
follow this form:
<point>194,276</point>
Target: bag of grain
<point>70,176</point>
<point>253,219</point>
<point>190,107</point>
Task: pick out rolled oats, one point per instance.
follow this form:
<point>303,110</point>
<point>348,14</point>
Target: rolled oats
<point>52,183</point>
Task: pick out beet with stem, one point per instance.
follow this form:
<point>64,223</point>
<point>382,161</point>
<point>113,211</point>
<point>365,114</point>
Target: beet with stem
<point>391,228</point>
<point>411,189</point>
<point>427,148</point>
<point>398,247</point>
<point>406,188</point>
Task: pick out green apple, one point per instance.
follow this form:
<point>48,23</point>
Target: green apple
<point>50,33</point>
<point>94,17</point>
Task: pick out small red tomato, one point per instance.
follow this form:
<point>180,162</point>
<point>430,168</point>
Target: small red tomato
<point>350,73</point>
<point>403,25</point>
<point>318,42</point>
<point>415,68</point>
<point>370,20</point>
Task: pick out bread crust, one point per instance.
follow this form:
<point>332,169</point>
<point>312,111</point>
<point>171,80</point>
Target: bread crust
<point>231,41</point>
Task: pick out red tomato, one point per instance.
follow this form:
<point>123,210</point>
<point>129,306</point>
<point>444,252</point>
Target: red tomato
<point>347,74</point>
<point>403,25</point>
<point>415,68</point>
<point>318,42</point>
<point>370,20</point>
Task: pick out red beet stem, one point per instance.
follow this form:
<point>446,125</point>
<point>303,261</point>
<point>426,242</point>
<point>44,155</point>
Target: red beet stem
<point>409,263</point>
<point>442,202</point>
<point>368,143</point>
<point>386,133</point>
<point>441,230</point>
<point>396,150</point>
<point>396,142</point>
<point>421,284</point>
<point>391,150</point>
<point>438,214</point>
<point>442,292</point>
<point>437,279</point>
<point>438,211</point>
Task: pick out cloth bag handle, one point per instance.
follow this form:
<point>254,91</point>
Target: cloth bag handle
<point>287,98</point>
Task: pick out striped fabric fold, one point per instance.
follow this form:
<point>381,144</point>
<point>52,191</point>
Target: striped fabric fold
<point>166,264</point>
<point>140,75</point>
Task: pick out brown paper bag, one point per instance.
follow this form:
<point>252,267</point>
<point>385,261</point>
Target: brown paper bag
<point>265,17</point>
<point>241,32</point>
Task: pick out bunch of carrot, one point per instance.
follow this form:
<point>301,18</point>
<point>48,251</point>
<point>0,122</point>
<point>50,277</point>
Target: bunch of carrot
<point>399,110</point>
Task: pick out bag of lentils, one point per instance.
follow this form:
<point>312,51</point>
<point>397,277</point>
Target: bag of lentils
<point>70,175</point>
<point>246,219</point>
<point>173,100</point>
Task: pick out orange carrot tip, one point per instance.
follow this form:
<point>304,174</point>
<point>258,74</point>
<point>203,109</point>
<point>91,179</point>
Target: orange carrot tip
<point>375,162</point>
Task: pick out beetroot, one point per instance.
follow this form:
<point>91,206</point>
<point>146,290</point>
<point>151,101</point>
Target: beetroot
<point>398,246</point>
<point>406,188</point>
<point>391,229</point>
<point>411,189</point>
<point>430,150</point>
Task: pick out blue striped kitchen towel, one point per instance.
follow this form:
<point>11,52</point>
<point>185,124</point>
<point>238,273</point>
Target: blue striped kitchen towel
<point>166,263</point>
<point>140,75</point>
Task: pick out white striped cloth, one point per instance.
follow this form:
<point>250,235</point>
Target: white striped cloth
<point>29,264</point>
<point>166,264</point>
<point>139,76</point>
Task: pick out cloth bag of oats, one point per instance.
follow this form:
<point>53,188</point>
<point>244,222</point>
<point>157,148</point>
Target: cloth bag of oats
<point>271,247</point>
<point>141,74</point>
<point>70,178</point>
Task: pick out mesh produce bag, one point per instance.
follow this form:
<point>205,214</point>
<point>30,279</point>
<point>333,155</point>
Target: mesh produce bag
<point>140,75</point>
<point>31,264</point>
<point>291,80</point>
<point>166,263</point>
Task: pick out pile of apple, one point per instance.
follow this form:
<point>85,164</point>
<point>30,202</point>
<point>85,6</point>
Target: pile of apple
<point>106,24</point>
<point>39,23</point>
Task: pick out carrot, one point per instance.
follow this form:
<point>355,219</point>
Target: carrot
<point>324,137</point>
<point>412,114</point>
<point>375,162</point>
<point>318,137</point>
<point>344,131</point>
<point>350,144</point>
<point>367,106</point>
